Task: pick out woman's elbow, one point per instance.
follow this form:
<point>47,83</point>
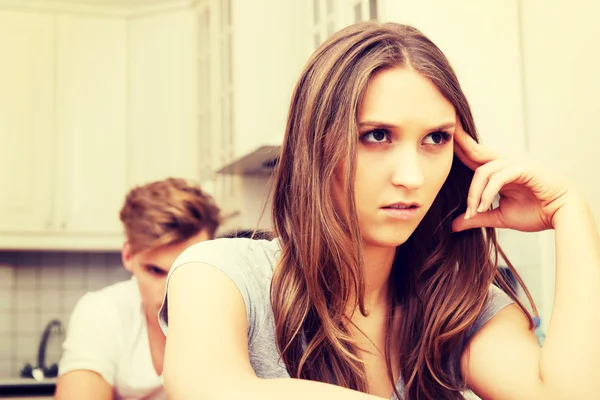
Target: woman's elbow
<point>182,388</point>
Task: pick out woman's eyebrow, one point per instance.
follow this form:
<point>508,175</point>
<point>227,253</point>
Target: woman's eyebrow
<point>378,124</point>
<point>386,125</point>
<point>448,125</point>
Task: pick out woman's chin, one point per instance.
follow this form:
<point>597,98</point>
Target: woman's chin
<point>391,239</point>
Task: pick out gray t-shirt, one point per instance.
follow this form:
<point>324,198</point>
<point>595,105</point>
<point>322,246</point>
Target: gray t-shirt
<point>250,264</point>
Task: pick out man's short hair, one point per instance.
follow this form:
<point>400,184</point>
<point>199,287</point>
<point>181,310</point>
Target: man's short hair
<point>167,212</point>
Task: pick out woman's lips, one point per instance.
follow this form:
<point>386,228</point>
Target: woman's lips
<point>401,211</point>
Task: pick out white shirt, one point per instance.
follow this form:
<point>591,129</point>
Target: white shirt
<point>107,334</point>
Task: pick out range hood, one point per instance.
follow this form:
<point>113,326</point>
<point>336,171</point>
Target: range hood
<point>258,162</point>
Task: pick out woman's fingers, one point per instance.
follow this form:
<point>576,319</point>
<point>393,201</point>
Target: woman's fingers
<point>496,182</point>
<point>478,199</point>
<point>472,165</point>
<point>491,218</point>
<point>471,153</point>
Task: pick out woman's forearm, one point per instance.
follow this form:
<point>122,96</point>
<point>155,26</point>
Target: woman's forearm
<point>269,389</point>
<point>298,389</point>
<point>571,352</point>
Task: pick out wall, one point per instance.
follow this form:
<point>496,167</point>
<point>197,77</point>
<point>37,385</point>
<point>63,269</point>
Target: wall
<point>482,41</point>
<point>36,287</point>
<point>562,92</point>
<point>529,69</point>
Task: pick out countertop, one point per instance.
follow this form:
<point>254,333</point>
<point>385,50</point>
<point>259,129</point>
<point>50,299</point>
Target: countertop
<point>26,388</point>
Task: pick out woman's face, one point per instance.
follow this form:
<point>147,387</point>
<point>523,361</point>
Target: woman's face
<point>404,154</point>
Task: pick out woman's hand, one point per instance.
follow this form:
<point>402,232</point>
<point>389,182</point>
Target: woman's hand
<point>529,198</point>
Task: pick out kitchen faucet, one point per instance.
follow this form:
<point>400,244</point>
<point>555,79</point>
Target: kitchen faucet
<point>42,371</point>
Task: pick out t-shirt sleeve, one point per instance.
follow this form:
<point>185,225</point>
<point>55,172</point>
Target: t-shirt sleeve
<point>496,301</point>
<point>242,260</point>
<point>93,340</point>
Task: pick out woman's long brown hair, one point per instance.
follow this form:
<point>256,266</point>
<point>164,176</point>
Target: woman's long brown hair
<point>439,279</point>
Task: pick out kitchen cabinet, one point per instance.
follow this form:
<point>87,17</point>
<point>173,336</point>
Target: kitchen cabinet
<point>63,131</point>
<point>163,87</point>
<point>94,104</point>
<point>27,152</point>
<point>253,69</point>
<point>91,123</point>
<point>253,96</point>
<point>260,64</point>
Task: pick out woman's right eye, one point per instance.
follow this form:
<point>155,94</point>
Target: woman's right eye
<point>376,136</point>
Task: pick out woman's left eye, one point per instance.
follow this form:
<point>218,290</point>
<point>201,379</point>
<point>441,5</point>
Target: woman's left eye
<point>437,138</point>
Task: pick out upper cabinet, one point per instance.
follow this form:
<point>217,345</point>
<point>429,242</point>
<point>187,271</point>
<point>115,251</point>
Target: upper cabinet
<point>27,145</point>
<point>163,97</point>
<point>91,79</point>
<point>246,73</point>
<point>253,69</point>
<point>266,66</point>
<point>91,105</point>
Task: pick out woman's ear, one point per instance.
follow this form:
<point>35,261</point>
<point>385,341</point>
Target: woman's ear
<point>126,257</point>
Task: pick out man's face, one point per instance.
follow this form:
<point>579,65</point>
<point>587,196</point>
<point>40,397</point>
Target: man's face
<point>151,267</point>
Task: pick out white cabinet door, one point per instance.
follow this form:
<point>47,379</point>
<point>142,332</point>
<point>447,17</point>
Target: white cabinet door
<point>266,61</point>
<point>163,129</point>
<point>27,151</point>
<point>253,69</point>
<point>91,122</point>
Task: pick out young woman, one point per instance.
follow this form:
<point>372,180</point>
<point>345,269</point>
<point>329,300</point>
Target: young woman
<point>383,279</point>
<point>114,347</point>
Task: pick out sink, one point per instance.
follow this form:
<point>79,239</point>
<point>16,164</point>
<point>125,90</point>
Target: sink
<point>41,371</point>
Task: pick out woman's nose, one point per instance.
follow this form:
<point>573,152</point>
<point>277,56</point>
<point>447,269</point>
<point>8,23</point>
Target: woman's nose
<point>408,171</point>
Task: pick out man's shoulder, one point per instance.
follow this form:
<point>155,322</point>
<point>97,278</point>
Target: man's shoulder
<point>116,293</point>
<point>114,302</point>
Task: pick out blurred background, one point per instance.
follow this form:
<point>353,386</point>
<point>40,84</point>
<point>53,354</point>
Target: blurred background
<point>97,96</point>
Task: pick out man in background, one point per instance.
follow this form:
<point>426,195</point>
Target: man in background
<point>114,347</point>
